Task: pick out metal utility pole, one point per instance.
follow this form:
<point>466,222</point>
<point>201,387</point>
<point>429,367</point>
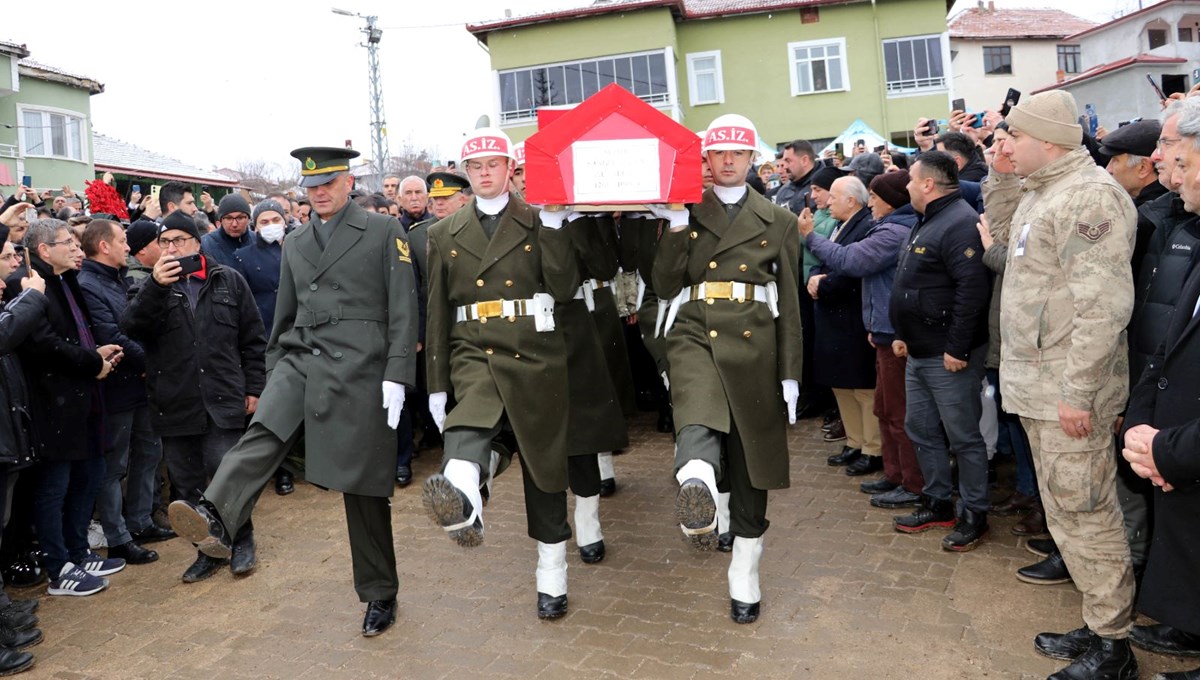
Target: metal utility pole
<point>379,148</point>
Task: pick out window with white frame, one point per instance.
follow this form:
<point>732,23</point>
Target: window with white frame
<point>52,133</point>
<point>523,90</point>
<point>818,66</point>
<point>705,83</point>
<point>914,64</point>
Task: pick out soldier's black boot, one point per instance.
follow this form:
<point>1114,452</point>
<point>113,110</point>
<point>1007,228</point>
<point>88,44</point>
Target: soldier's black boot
<point>244,554</point>
<point>1105,659</point>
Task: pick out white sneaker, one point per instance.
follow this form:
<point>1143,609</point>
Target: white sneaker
<point>74,581</point>
<point>96,539</point>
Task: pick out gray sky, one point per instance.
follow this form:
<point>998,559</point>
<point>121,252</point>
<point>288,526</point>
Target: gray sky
<point>223,81</point>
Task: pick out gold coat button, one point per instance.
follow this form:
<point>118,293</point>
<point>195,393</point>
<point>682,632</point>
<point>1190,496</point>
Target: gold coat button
<point>479,283</point>
<point>483,319</point>
<point>762,244</point>
<point>453,253</point>
<point>528,248</point>
<point>742,267</point>
<point>513,319</point>
<point>508,283</point>
<point>712,334</point>
<point>694,235</point>
<point>708,301</point>
<point>746,334</point>
<point>488,351</point>
<point>712,265</point>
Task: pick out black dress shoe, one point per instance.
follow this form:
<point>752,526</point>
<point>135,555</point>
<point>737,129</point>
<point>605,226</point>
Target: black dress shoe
<point>968,531</point>
<point>17,619</point>
<point>551,607</point>
<point>200,524</point>
<point>864,465</point>
<point>845,457</point>
<point>666,422</point>
<point>881,485</point>
<point>23,573</point>
<point>381,614</point>
<point>133,553</point>
<point>1064,646</point>
<point>608,487</point>
<point>12,661</point>
<point>20,639</point>
<point>1042,547</point>
<point>202,568</point>
<point>244,555</point>
<point>403,475</point>
<point>592,552</point>
<point>725,542</point>
<point>1048,572</point>
<point>1105,658</point>
<point>1163,639</point>
<point>153,534</point>
<point>285,483</point>
<point>27,606</point>
<point>742,612</point>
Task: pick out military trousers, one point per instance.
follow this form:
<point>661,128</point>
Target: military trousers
<point>250,464</point>
<point>545,512</point>
<point>747,505</point>
<point>1077,480</point>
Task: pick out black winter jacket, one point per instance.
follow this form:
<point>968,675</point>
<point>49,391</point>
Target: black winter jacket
<point>106,293</point>
<point>1166,265</point>
<point>17,320</point>
<point>200,363</point>
<point>940,296</point>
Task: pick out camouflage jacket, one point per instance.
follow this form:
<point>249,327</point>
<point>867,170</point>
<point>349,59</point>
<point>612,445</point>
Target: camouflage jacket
<point>1068,292</point>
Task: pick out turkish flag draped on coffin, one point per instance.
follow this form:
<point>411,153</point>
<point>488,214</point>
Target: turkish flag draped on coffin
<point>612,149</point>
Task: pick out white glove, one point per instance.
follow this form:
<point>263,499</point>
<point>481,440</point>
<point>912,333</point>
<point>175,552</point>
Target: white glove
<point>553,220</point>
<point>677,218</point>
<point>791,394</point>
<point>393,401</point>
<point>666,381</point>
<point>437,409</point>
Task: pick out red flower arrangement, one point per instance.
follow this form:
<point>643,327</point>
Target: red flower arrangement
<point>102,198</point>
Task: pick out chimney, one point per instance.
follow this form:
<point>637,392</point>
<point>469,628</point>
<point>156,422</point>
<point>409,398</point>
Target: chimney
<point>992,6</point>
<point>981,5</point>
<point>1060,75</point>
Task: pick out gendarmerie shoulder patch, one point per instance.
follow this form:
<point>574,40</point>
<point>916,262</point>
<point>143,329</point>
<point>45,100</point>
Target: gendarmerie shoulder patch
<point>1093,232</point>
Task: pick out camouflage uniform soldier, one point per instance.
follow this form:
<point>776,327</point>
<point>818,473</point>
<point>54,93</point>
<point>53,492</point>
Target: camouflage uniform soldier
<point>1067,296</point>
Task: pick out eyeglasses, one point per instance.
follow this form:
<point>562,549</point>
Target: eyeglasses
<point>236,218</point>
<point>1168,141</point>
<point>177,241</point>
<point>67,242</point>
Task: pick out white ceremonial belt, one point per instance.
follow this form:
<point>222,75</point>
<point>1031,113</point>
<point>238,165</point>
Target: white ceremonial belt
<point>724,290</point>
<point>540,307</point>
<point>589,289</point>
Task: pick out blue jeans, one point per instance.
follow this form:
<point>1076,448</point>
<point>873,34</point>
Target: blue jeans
<point>1012,432</point>
<point>134,453</point>
<point>937,400</point>
<point>62,509</point>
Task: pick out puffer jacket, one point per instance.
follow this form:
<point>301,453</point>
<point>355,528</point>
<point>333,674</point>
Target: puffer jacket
<point>17,320</point>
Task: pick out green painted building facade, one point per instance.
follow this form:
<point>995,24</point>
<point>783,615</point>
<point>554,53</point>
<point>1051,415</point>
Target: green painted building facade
<point>48,123</point>
<point>807,69</point>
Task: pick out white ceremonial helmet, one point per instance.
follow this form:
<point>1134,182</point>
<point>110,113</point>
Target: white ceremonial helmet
<point>731,131</point>
<point>519,153</point>
<point>486,141</point>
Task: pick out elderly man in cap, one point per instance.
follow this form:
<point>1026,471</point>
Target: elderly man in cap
<point>446,193</point>
<point>497,270</point>
<point>344,334</point>
<point>1129,149</point>
<point>1067,296</point>
<point>232,233</point>
<point>728,266</point>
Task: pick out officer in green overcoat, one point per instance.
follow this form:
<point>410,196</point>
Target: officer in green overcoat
<point>734,345</point>
<point>345,332</point>
<point>497,269</point>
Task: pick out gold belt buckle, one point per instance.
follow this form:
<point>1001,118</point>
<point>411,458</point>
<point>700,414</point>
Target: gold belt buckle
<point>722,290</point>
<point>491,308</point>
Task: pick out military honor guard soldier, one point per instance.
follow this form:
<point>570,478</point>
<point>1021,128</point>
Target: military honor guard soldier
<point>345,331</point>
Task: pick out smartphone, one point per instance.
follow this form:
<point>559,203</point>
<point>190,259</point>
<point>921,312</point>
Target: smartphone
<point>27,181</point>
<point>931,128</point>
<point>137,188</point>
<point>154,189</point>
<point>1157,89</point>
<point>1010,100</point>
<point>189,264</point>
<point>958,105</point>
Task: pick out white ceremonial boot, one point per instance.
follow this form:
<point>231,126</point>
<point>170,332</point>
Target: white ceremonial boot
<point>724,537</point>
<point>552,580</point>
<point>453,500</point>
<point>696,504</point>
<point>744,593</point>
<point>588,536</point>
<point>608,476</point>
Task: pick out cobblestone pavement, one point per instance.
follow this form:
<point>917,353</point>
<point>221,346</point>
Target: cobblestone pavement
<point>845,597</point>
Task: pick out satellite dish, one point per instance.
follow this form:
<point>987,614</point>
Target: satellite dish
<point>483,121</point>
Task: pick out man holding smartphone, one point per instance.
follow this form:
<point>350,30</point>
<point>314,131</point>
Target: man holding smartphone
<point>205,367</point>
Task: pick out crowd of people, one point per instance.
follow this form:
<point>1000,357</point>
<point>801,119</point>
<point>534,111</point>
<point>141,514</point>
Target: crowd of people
<point>1008,290</point>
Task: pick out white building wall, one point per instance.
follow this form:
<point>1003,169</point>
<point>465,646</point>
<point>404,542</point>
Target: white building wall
<point>1121,95</point>
<point>1128,38</point>
<point>1034,65</point>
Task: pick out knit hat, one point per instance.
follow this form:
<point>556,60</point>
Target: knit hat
<point>825,175</point>
<point>1049,116</point>
<point>268,205</point>
<point>232,203</point>
<point>181,222</point>
<point>140,234</point>
<point>892,187</point>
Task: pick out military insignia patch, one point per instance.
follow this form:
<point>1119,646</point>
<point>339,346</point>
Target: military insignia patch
<point>403,248</point>
<point>969,252</point>
<point>309,164</point>
<point>1093,232</point>
<point>438,183</point>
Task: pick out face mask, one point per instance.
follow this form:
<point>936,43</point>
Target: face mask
<point>271,233</point>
